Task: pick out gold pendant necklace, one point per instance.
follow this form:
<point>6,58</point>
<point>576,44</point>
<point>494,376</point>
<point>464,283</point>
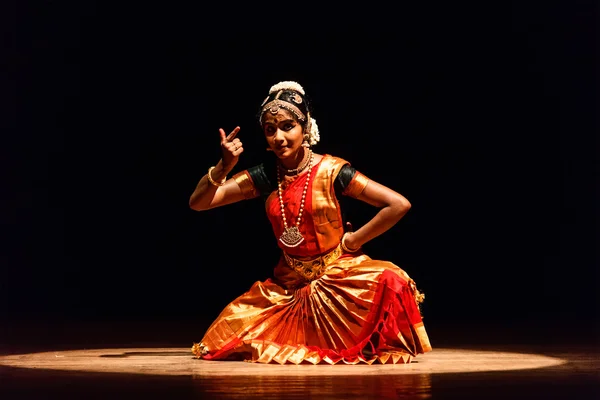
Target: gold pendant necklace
<point>291,236</point>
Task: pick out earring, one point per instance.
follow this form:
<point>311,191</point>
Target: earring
<point>305,142</point>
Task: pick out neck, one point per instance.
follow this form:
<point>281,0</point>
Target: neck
<point>298,159</point>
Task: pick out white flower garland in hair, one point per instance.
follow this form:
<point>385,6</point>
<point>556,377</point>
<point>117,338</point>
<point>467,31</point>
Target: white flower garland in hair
<point>313,136</point>
<point>287,85</point>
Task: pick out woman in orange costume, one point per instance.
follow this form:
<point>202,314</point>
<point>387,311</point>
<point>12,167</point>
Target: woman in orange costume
<point>327,301</point>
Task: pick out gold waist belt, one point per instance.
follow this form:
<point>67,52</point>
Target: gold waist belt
<point>313,268</point>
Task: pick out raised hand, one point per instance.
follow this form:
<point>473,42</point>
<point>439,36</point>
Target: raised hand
<point>231,148</point>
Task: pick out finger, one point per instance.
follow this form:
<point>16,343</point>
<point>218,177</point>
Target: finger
<point>230,147</point>
<point>237,142</point>
<point>233,133</point>
<point>223,137</point>
<point>237,152</point>
<point>234,146</point>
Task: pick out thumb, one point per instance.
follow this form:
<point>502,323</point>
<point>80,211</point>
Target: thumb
<point>349,226</point>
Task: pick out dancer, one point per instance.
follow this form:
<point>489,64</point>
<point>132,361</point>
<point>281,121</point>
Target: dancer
<point>327,301</point>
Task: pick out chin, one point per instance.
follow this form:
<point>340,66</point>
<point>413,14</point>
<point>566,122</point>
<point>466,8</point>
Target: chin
<point>286,152</point>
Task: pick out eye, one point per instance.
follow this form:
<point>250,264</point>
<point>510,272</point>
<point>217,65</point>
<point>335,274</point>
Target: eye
<point>288,127</point>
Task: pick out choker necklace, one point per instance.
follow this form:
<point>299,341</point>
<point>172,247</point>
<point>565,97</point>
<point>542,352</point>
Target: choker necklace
<point>291,236</point>
<point>300,168</point>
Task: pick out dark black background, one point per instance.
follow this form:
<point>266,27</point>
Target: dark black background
<point>481,114</point>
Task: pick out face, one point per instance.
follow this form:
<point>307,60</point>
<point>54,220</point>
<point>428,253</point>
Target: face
<point>284,133</point>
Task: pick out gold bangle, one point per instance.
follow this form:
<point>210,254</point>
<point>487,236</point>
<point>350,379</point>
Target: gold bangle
<point>345,248</point>
<point>210,179</point>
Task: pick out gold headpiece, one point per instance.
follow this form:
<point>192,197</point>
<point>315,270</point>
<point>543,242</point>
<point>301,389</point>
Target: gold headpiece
<point>274,105</point>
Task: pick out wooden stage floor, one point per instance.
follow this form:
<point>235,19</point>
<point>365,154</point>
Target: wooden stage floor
<point>106,361</point>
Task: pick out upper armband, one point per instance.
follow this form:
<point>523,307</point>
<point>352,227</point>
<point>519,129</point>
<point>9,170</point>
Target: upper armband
<point>255,182</point>
<point>354,182</point>
<point>350,182</point>
<point>244,181</point>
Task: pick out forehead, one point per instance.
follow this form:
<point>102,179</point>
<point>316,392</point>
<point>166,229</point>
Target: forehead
<point>276,119</point>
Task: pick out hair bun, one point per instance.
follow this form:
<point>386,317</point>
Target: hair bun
<point>290,85</point>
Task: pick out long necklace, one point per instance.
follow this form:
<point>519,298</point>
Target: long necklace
<point>291,236</point>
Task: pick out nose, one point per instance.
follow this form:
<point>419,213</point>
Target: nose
<point>279,136</point>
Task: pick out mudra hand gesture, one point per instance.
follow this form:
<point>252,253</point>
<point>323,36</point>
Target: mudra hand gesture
<point>231,148</point>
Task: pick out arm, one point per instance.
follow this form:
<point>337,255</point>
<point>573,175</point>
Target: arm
<point>206,195</point>
<point>392,207</point>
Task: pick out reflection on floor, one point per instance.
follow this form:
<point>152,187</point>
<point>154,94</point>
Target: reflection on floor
<point>152,361</point>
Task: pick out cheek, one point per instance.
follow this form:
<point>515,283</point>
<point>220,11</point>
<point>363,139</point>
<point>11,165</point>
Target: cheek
<point>298,136</point>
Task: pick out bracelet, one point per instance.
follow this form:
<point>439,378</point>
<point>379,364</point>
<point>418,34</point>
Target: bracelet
<point>345,248</point>
<point>210,179</point>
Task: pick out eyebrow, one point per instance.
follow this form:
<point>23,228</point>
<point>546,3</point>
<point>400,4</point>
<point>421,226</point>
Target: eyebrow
<point>282,121</point>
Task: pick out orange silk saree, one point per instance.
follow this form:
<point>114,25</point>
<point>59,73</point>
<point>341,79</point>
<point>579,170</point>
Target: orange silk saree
<point>349,308</point>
